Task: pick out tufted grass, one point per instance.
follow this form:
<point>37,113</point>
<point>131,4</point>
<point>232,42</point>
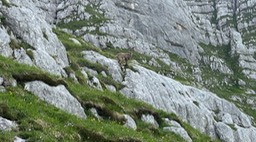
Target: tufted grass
<point>40,121</point>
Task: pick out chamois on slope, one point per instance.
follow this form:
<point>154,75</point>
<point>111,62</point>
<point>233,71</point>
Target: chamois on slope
<point>123,58</point>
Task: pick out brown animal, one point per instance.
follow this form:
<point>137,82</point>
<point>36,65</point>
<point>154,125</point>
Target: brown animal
<point>124,57</point>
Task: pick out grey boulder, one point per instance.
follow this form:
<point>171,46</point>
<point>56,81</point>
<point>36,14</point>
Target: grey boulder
<point>27,22</point>
<point>58,96</point>
<point>112,65</point>
<point>7,125</point>
<point>176,128</point>
<point>129,122</point>
<point>187,102</point>
<point>5,39</point>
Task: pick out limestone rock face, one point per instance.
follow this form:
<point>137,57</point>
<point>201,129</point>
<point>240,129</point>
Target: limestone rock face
<point>187,102</point>
<point>5,49</point>
<point>7,125</point>
<point>27,23</point>
<point>95,113</point>
<point>150,120</point>
<point>245,55</point>
<point>225,132</point>
<point>136,24</point>
<point>175,127</point>
<point>154,28</point>
<point>57,96</point>
<point>21,56</point>
<point>130,122</point>
<point>94,82</point>
<point>113,67</point>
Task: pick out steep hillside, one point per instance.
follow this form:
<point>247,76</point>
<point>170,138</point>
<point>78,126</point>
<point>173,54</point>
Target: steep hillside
<point>192,75</point>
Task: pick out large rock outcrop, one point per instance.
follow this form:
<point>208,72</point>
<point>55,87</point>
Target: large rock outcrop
<point>112,65</point>
<point>58,96</point>
<point>28,23</point>
<point>166,24</point>
<point>5,49</point>
<point>136,24</point>
<point>216,114</point>
<point>218,117</point>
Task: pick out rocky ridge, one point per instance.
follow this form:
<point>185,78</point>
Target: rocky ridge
<point>189,103</point>
<point>127,24</point>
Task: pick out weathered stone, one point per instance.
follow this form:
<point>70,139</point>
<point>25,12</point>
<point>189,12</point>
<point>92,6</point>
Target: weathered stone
<point>245,134</point>
<point>217,64</point>
<point>94,82</point>
<point>225,117</point>
<point>2,89</point>
<point>57,96</point>
<point>176,128</point>
<point>18,139</point>
<point>224,132</point>
<point>90,71</point>
<point>84,74</point>
<point>26,21</point>
<point>103,74</point>
<point>1,80</point>
<point>73,77</point>
<point>142,24</point>
<point>21,56</point>
<point>149,119</point>
<point>111,88</point>
<point>112,65</point>
<point>250,91</point>
<point>130,122</point>
<point>154,63</point>
<point>5,49</point>
<point>187,102</point>
<point>241,82</point>
<point>95,113</point>
<point>246,60</point>
<point>7,125</point>
<point>9,82</point>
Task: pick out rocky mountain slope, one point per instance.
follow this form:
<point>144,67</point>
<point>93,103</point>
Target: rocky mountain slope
<point>192,74</point>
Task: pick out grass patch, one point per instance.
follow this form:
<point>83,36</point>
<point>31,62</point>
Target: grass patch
<point>96,20</point>
<point>9,67</point>
<point>17,44</point>
<point>109,81</point>
<point>2,20</point>
<point>219,51</point>
<point>42,122</point>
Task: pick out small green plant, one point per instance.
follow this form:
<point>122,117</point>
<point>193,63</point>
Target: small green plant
<point>14,44</point>
<point>196,103</point>
<point>45,35</point>
<point>6,3</point>
<point>2,20</point>
<point>17,44</point>
<point>232,126</point>
<point>30,54</point>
